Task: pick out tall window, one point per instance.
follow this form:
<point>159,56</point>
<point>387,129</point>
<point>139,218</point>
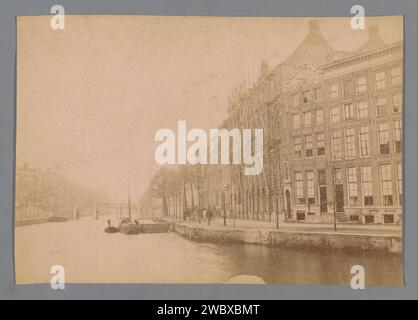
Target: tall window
<point>364,137</point>
<point>395,76</point>
<point>322,177</point>
<point>295,100</point>
<point>296,121</point>
<point>307,119</point>
<point>310,187</point>
<point>320,144</point>
<point>306,95</point>
<point>319,116</point>
<point>397,125</point>
<point>352,186</point>
<point>361,84</point>
<point>380,106</point>
<point>335,114</point>
<point>286,170</point>
<point>338,175</point>
<point>350,143</point>
<point>299,188</point>
<point>348,88</point>
<point>366,178</point>
<point>298,147</point>
<point>380,80</point>
<point>386,179</point>
<point>397,102</point>
<point>399,175</point>
<point>383,138</point>
<point>336,145</point>
<point>308,146</point>
<point>363,109</point>
<point>348,111</point>
<point>317,94</point>
<point>333,91</point>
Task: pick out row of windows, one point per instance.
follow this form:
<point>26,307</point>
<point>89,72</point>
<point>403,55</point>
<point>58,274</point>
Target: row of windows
<point>350,145</point>
<point>357,177</point>
<point>351,86</point>
<point>350,111</point>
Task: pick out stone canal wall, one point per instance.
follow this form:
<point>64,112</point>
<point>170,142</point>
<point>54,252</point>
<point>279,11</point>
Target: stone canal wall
<point>26,222</point>
<point>298,239</point>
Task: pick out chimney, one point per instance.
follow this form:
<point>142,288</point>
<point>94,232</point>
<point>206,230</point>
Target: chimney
<point>313,26</point>
<point>374,33</point>
<point>264,68</point>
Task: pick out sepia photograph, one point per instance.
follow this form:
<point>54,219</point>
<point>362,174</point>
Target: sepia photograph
<point>209,150</point>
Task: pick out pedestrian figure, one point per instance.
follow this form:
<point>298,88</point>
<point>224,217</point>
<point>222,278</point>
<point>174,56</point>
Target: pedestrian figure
<point>209,215</point>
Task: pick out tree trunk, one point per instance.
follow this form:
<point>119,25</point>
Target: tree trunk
<point>165,206</point>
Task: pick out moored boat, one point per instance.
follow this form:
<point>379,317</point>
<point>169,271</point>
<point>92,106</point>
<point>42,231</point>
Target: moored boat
<point>110,228</point>
<point>128,227</point>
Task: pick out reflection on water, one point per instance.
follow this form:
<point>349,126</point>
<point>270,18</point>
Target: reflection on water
<point>91,256</point>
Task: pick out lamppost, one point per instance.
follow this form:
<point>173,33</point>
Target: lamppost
<point>335,195</point>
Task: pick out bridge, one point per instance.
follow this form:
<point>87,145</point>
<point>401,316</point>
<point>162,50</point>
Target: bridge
<point>32,215</point>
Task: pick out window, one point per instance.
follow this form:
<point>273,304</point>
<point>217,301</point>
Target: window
<point>364,141</point>
<point>286,170</point>
<point>380,106</point>
<point>397,125</point>
<point>307,119</point>
<point>310,187</point>
<point>349,111</point>
<point>388,218</point>
<point>395,76</point>
<point>397,102</point>
<point>348,88</point>
<point>366,178</point>
<point>369,219</point>
<point>399,174</point>
<point>308,146</point>
<point>296,121</point>
<point>361,84</point>
<point>336,145</point>
<point>383,138</point>
<point>317,94</point>
<point>380,80</point>
<point>352,186</point>
<point>320,143</point>
<point>350,143</point>
<point>299,188</point>
<point>295,100</point>
<point>319,116</point>
<point>335,114</point>
<point>306,95</point>
<point>386,179</point>
<point>333,91</point>
<point>338,175</point>
<point>322,177</point>
<point>363,109</point>
<point>298,147</point>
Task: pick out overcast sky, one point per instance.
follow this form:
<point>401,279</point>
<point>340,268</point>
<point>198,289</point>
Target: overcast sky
<point>91,97</point>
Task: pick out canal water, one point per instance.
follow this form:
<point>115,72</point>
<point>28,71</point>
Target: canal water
<point>91,256</point>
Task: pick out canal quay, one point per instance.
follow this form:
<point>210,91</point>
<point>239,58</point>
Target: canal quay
<point>345,237</point>
<point>89,255</point>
